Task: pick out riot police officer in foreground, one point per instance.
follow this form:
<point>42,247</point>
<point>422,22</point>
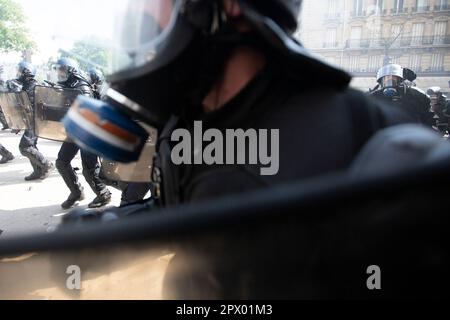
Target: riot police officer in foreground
<point>236,70</point>
<point>396,86</point>
<point>26,73</point>
<point>439,107</point>
<point>69,77</point>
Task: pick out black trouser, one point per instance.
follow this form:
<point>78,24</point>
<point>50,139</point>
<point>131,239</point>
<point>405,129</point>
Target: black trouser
<point>4,152</point>
<point>28,148</point>
<point>135,192</point>
<point>91,169</point>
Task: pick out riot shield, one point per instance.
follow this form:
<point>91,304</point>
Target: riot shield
<point>307,240</point>
<point>139,171</point>
<point>51,105</point>
<point>17,110</point>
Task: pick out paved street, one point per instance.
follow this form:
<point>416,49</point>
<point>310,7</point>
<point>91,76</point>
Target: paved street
<point>29,207</point>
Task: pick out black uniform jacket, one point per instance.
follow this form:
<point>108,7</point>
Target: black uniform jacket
<point>321,130</point>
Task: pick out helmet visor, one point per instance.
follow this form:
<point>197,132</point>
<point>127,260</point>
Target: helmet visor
<point>390,81</point>
<point>126,34</point>
<point>19,72</point>
<point>60,72</point>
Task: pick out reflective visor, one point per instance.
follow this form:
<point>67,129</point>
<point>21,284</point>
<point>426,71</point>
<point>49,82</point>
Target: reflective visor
<point>390,81</point>
<point>119,35</point>
<point>60,72</point>
<point>143,29</point>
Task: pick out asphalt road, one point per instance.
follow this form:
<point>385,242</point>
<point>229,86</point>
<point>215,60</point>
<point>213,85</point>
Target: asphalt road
<point>33,207</point>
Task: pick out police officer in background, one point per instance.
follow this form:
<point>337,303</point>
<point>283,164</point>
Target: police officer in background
<point>26,81</point>
<point>396,86</point>
<point>439,107</point>
<point>96,79</point>
<point>6,156</point>
<point>69,77</point>
<point>3,88</point>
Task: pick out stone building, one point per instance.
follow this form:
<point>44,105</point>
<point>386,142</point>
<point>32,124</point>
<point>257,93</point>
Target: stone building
<point>363,35</point>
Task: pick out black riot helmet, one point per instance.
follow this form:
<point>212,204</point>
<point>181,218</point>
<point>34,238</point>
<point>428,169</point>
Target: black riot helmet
<point>25,70</point>
<point>65,67</point>
<point>152,33</point>
<point>95,76</point>
<point>160,41</point>
<point>187,37</point>
<point>437,97</point>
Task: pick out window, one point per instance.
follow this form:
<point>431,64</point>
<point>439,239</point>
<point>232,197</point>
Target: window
<point>332,11</point>
<point>379,5</point>
<point>376,7</point>
<point>398,6</point>
<point>396,33</point>
<point>353,63</point>
<point>437,62</point>
<point>442,5</point>
<point>415,62</point>
<point>375,63</point>
<point>331,38</point>
<point>421,6</point>
<point>376,35</point>
<point>440,32</point>
<point>358,8</point>
<point>355,37</point>
<point>417,33</point>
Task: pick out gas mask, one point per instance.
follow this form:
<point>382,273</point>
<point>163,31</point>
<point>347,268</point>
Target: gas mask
<point>390,80</point>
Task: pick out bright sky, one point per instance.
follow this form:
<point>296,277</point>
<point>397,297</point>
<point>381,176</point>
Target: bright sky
<point>58,23</point>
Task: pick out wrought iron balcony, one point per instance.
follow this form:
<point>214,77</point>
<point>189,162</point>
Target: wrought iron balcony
<point>442,7</point>
<point>401,42</point>
<point>399,11</point>
<point>357,43</point>
<point>330,45</point>
<point>425,41</point>
<point>332,17</point>
<point>422,9</point>
<point>357,14</point>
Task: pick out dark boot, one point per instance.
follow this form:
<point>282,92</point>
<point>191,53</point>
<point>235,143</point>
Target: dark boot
<point>6,155</point>
<point>73,199</point>
<point>101,200</point>
<point>28,148</point>
<point>35,175</point>
<point>48,168</point>
<point>71,179</point>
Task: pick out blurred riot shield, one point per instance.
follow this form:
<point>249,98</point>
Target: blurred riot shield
<point>51,105</point>
<point>334,237</point>
<point>139,171</point>
<point>17,110</point>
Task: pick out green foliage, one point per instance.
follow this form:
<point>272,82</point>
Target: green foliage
<point>88,54</point>
<point>13,33</point>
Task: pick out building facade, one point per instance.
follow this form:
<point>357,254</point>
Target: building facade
<point>363,35</point>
